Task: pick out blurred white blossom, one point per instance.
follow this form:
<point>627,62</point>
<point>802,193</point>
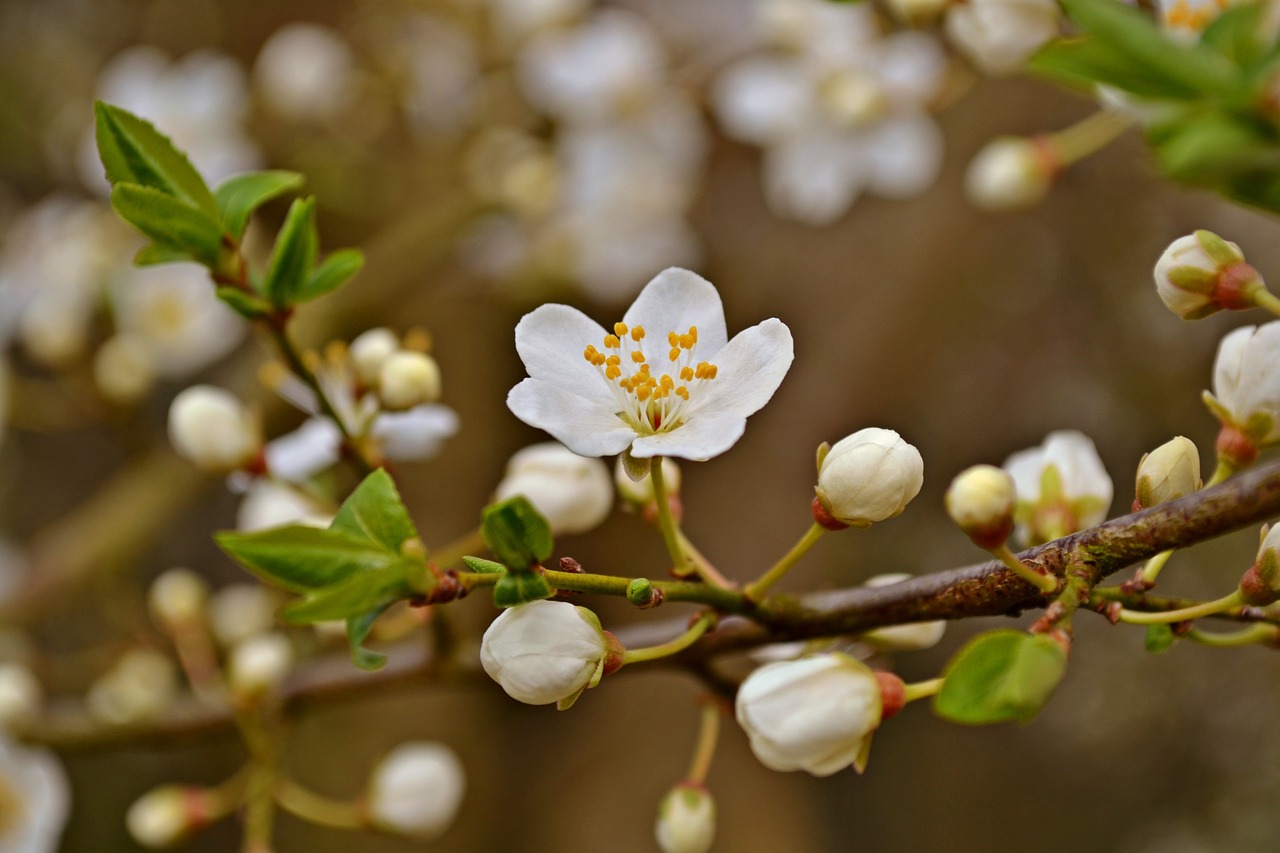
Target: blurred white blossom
<point>305,71</point>
<point>36,798</point>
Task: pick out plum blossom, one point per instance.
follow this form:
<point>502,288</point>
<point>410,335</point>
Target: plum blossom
<point>665,381</point>
<point>838,108</point>
<point>417,790</point>
<point>1246,384</point>
<point>1061,486</point>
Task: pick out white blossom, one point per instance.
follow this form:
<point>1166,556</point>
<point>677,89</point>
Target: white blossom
<point>1061,485</point>
<point>1246,383</point>
<point>816,713</point>
<point>272,503</point>
<point>1000,35</point>
<point>407,379</point>
<point>416,790</point>
<point>305,71</point>
<point>213,429</point>
<point>666,381</point>
<point>123,369</point>
<point>1169,472</point>
<point>544,652</point>
<point>1186,20</point>
<point>37,799</point>
<point>370,350</point>
<point>869,476</point>
<point>573,493</point>
<point>686,820</point>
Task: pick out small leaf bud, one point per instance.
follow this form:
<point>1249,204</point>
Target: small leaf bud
<point>1169,472</point>
<point>686,820</point>
<point>869,476</point>
<point>1201,274</point>
<point>1010,173</point>
<point>980,501</point>
<point>642,593</point>
<point>416,790</point>
<point>369,351</point>
<point>177,598</point>
<point>213,429</point>
<point>408,379</point>
<point>258,664</point>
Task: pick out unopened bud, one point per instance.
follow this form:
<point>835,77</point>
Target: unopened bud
<point>369,351</point>
<point>408,379</point>
<point>639,494</point>
<point>139,687</point>
<point>571,492</point>
<point>213,429</point>
<point>177,598</point>
<point>1261,584</point>
<point>240,610</point>
<point>1201,274</point>
<point>416,790</point>
<point>1010,173</point>
<point>258,664</point>
<point>1169,472</point>
<point>167,816</point>
<point>122,370</point>
<point>869,476</point>
<point>20,694</point>
<point>686,820</point>
<point>981,501</point>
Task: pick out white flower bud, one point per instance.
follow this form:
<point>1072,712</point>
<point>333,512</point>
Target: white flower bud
<point>999,35</point>
<point>869,476</point>
<point>258,664</point>
<point>20,694</point>
<point>213,429</point>
<point>640,494</point>
<point>368,352</point>
<point>1062,487</point>
<point>1246,388</point>
<point>544,652</point>
<point>1009,173</point>
<point>138,688</point>
<point>572,492</point>
<point>241,610</point>
<point>177,598</point>
<point>407,379</point>
<point>980,501</point>
<point>122,369</point>
<point>1260,585</point>
<point>416,790</point>
<point>305,71</point>
<point>1201,274</point>
<point>912,637</point>
<point>686,820</point>
<point>165,816</point>
<point>54,329</point>
<point>816,713</point>
<point>1169,472</point>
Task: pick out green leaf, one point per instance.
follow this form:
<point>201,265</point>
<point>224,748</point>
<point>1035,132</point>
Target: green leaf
<point>239,196</point>
<point>375,512</point>
<point>161,253</point>
<point>1159,638</point>
<point>520,588</point>
<point>331,274</point>
<point>170,221</point>
<point>483,567</point>
<point>358,628</point>
<point>134,152</point>
<point>359,593</point>
<point>303,559</point>
<point>516,534</point>
<point>1132,32</point>
<point>1238,35</point>
<point>247,305</point>
<point>1216,149</point>
<point>294,254</point>
<point>998,676</point>
<point>1086,61</point>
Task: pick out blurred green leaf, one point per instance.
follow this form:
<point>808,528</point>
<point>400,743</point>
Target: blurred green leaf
<point>247,305</point>
<point>1085,61</point>
<point>1238,35</point>
<point>358,628</point>
<point>516,534</point>
<point>303,559</point>
<point>375,512</point>
<point>239,196</point>
<point>161,253</point>
<point>1159,638</point>
<point>999,676</point>
<point>170,221</point>
<point>483,567</point>
<point>134,151</point>
<point>330,274</point>
<point>294,254</point>
<point>358,594</point>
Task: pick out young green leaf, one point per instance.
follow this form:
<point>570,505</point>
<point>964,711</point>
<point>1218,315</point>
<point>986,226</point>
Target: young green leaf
<point>134,152</point>
<point>359,593</point>
<point>1001,675</point>
<point>170,221</point>
<point>358,628</point>
<point>1239,34</point>
<point>375,512</point>
<point>239,196</point>
<point>330,274</point>
<point>483,567</point>
<point>1086,61</point>
<point>520,588</point>
<point>161,253</point>
<point>247,305</point>
<point>516,534</point>
<point>1159,638</point>
<point>294,254</point>
<point>302,559</point>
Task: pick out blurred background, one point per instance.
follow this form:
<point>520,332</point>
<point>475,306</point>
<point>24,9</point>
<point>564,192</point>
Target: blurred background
<point>491,155</point>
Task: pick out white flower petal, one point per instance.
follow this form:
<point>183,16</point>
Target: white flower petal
<point>675,300</point>
<point>415,434</point>
<point>815,177</point>
<point>550,340</point>
<point>762,99</point>
<point>311,448</point>
<point>587,426</point>
<point>751,367</point>
<point>905,156</point>
<point>1228,365</point>
<point>699,439</point>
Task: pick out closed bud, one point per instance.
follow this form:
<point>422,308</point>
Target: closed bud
<point>138,688</point>
<point>123,370</point>
<point>868,476</point>
<point>1266,569</point>
<point>816,713</point>
<point>213,429</point>
<point>369,351</point>
<point>1201,274</point>
<point>981,501</point>
<point>686,820</point>
<point>259,664</point>
<point>1010,173</point>
<point>639,494</point>
<point>573,493</point>
<point>20,695</point>
<point>240,610</point>
<point>999,35</point>
<point>416,791</point>
<point>167,816</point>
<point>544,652</point>
<point>177,598</point>
<point>408,379</point>
<point>1169,472</point>
<point>1246,391</point>
<point>911,637</point>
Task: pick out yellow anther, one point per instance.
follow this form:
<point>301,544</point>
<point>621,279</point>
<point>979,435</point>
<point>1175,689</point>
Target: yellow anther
<point>667,381</point>
<point>613,359</point>
<point>693,333</point>
<point>644,369</point>
<point>637,333</point>
<point>686,341</point>
<point>612,372</point>
<point>619,329</point>
<point>682,392</point>
<point>686,373</point>
<point>643,392</point>
<point>637,357</point>
<point>712,370</point>
<point>701,371</point>
<point>673,339</point>
<point>674,354</point>
<point>612,342</point>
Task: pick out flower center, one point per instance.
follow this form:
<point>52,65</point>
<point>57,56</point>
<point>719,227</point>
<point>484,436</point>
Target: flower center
<point>651,402</point>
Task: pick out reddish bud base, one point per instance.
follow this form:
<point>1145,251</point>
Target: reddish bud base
<point>824,518</point>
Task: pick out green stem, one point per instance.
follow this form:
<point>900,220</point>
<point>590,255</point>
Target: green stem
<point>1208,608</point>
<point>671,647</point>
<point>705,749</point>
<point>1220,474</point>
<point>668,525</point>
<point>1243,637</point>
<point>1152,569</point>
<point>722,599</point>
<point>1040,580</point>
<point>921,689</point>
<point>1088,136</point>
<point>1265,299</point>
<point>316,808</point>
<point>705,569</point>
<point>755,591</point>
